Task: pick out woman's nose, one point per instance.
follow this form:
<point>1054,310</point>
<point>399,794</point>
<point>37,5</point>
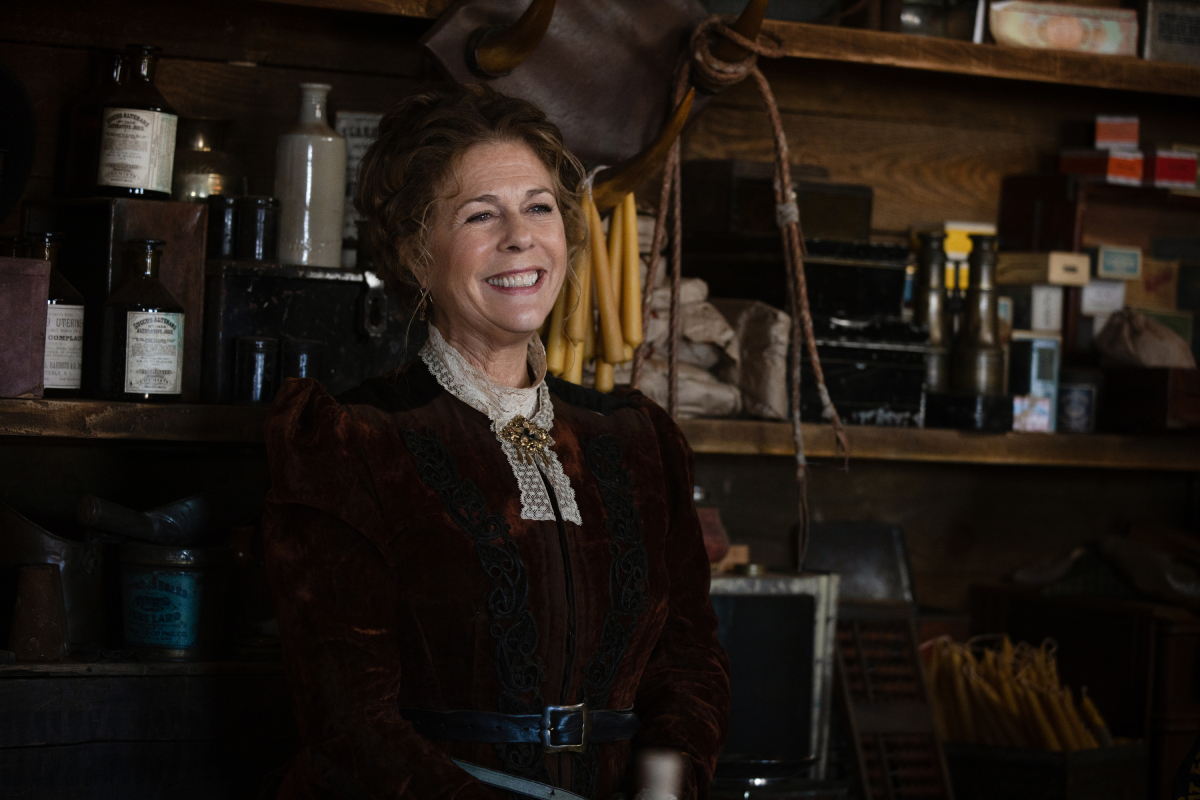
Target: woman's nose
<point>518,234</point>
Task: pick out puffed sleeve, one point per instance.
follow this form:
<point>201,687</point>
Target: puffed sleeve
<point>683,696</point>
<point>335,594</point>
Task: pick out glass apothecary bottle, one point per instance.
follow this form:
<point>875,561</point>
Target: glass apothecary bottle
<point>83,145</point>
<point>137,134</point>
<point>202,167</point>
<point>310,182</point>
<point>143,332</point>
<point>62,373</point>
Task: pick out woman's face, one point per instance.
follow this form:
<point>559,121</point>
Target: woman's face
<point>499,250</point>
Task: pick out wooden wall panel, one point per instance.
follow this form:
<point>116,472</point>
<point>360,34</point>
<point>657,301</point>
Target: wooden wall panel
<point>933,146</point>
<point>964,523</point>
<point>226,30</point>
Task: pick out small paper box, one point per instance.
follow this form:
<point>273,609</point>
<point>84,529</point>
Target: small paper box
<point>1061,268</point>
<point>24,286</point>
<point>1101,298</point>
<point>1124,167</point>
<point>1031,414</point>
<point>1116,263</point>
<point>1116,133</point>
<point>1170,169</point>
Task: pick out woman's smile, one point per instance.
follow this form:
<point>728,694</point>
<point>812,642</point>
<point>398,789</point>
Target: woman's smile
<point>518,281</point>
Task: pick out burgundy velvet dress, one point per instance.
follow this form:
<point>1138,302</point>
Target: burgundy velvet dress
<point>405,577</point>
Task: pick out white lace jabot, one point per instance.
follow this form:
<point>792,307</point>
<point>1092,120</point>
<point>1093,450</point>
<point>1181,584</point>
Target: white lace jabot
<point>500,404</point>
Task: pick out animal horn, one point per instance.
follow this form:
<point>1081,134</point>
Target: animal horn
<point>495,51</point>
<point>748,25</point>
<point>614,183</point>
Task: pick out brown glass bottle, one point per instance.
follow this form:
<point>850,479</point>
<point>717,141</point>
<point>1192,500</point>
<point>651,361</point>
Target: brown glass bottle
<point>931,308</point>
<point>82,158</point>
<point>63,370</point>
<point>978,359</point>
<point>137,134</point>
<point>142,355</point>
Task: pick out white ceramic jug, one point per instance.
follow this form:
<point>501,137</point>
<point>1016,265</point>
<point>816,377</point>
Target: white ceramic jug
<point>310,182</point>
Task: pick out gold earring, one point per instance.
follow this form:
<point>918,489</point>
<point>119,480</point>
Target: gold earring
<point>422,305</point>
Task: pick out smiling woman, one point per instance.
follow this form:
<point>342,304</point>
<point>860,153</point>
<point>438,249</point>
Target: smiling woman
<point>485,576</point>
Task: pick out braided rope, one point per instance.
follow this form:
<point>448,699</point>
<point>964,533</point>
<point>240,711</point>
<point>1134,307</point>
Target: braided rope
<point>722,74</point>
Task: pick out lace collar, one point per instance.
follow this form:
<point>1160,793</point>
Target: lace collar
<point>500,404</point>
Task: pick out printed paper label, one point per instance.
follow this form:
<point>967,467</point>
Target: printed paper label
<point>137,149</point>
<point>63,367</point>
<point>153,352</point>
<point>162,609</point>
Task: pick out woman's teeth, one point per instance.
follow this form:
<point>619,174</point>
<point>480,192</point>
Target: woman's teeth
<point>514,281</point>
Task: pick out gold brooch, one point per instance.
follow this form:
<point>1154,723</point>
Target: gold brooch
<point>529,439</point>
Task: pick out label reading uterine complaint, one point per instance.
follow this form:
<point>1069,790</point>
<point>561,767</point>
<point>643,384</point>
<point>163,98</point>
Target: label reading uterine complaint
<point>63,367</point>
<point>162,609</point>
<point>137,149</point>
<point>153,352</point>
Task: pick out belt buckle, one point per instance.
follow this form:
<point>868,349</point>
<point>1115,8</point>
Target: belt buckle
<point>547,729</point>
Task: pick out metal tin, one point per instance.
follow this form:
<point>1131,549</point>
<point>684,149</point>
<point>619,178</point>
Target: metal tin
<point>82,564</point>
<point>174,600</point>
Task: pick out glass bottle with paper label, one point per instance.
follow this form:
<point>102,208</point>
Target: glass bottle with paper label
<point>137,134</point>
<point>62,374</point>
<point>143,332</point>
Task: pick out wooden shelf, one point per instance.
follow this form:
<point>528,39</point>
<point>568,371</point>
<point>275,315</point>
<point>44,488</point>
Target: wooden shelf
<point>830,43</point>
<point>749,437</point>
<point>138,669</point>
<point>94,419</point>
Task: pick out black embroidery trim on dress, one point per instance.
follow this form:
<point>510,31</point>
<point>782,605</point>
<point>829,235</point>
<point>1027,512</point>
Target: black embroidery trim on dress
<point>518,668</point>
<point>626,587</point>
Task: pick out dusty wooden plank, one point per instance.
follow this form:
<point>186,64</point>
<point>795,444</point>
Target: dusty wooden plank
<point>945,55</point>
<point>95,419</point>
<point>751,437</point>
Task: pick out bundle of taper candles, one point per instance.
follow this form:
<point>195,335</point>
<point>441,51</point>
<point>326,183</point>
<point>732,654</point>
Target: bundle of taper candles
<point>993,693</point>
<point>598,316</point>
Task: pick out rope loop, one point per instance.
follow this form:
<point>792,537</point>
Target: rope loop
<point>725,73</point>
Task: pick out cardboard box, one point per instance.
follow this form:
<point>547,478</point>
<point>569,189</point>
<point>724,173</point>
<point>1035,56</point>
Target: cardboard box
<point>1117,133</point>
<point>1058,267</point>
<point>1101,297</point>
<point>1050,26</point>
<point>1115,263</point>
<point>1124,167</point>
<point>1036,307</point>
<point>1156,288</point>
<point>1170,169</point>
<point>24,286</point>
<point>1170,31</point>
<point>1034,360</point>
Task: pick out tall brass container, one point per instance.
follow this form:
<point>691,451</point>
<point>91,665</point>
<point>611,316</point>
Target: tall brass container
<point>978,360</point>
<point>931,308</point>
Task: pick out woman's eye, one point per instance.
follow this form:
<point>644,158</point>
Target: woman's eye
<point>482,216</point>
<point>542,208</point>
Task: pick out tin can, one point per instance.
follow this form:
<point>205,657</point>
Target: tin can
<point>174,600</point>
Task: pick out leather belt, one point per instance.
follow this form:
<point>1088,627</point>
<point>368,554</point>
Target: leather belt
<point>557,728</point>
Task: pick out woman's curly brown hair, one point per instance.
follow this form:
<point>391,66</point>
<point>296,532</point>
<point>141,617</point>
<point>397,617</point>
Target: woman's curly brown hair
<point>421,139</point>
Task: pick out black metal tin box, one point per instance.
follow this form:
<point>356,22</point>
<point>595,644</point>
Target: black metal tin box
<point>361,334</point>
